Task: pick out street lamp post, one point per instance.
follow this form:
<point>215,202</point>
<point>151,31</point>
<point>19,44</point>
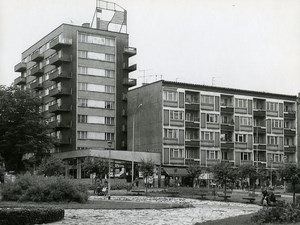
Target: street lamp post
<point>133,140</point>
<point>109,143</point>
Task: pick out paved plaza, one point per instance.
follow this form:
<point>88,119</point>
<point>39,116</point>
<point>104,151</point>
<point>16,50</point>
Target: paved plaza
<point>202,211</point>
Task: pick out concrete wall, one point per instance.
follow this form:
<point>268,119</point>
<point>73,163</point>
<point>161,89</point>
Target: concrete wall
<point>148,118</point>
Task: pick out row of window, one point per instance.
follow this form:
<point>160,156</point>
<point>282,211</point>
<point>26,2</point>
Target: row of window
<point>82,102</point>
<point>96,39</point>
<point>96,56</point>
<point>96,72</point>
<point>95,135</point>
<point>217,155</point>
<point>96,87</point>
<point>96,119</point>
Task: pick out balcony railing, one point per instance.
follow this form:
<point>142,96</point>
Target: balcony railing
<point>129,82</point>
<point>59,74</point>
<point>36,86</point>
<point>129,68</point>
<point>62,140</point>
<point>20,67</point>
<point>59,58</point>
<point>59,108</point>
<point>60,124</point>
<point>36,71</point>
<point>20,81</point>
<point>57,92</point>
<point>37,56</point>
<point>129,51</point>
<point>60,42</point>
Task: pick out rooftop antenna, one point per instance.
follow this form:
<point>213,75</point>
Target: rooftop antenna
<point>213,81</point>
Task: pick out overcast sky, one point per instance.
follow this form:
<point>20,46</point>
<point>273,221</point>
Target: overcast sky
<point>245,44</point>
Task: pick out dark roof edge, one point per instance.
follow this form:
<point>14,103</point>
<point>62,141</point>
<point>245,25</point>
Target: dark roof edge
<point>233,90</point>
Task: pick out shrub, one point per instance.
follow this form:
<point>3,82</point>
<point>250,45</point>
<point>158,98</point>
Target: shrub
<point>120,186</point>
<point>44,189</point>
<point>282,213</point>
<point>30,216</point>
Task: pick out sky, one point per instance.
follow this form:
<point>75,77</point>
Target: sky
<point>244,44</point>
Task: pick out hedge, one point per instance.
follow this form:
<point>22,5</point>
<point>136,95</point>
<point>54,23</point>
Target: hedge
<point>28,216</point>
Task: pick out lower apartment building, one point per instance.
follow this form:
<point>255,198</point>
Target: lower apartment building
<point>207,125</point>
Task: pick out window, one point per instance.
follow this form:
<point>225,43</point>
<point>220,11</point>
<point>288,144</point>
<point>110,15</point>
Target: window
<point>272,106</point>
<point>212,118</point>
<point>245,156</point>
<point>109,120</point>
<point>96,56</point>
<point>177,153</point>
<point>109,136</point>
<point>96,72</point>
<point>277,123</point>
<point>192,134</point>
<point>171,133</point>
<point>82,134</point>
<point>224,155</point>
<point>82,118</point>
<point>170,95</point>
<point>246,121</point>
<point>176,115</point>
<point>206,99</point>
<point>211,154</point>
<point>109,105</point>
<point>272,140</point>
<point>207,136</point>
<point>191,98</point>
<point>96,39</point>
<point>277,158</point>
<point>289,141</point>
<point>191,116</point>
<point>109,89</point>
<point>242,138</point>
<point>240,103</point>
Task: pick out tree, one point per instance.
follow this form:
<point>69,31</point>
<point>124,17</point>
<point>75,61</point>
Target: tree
<point>224,174</point>
<point>147,168</point>
<point>291,174</point>
<point>194,170</point>
<point>23,131</point>
<point>51,166</point>
<point>96,165</point>
<point>248,171</point>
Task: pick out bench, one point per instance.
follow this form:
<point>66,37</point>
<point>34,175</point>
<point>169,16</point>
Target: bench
<point>225,197</point>
<point>202,195</point>
<point>173,193</point>
<point>250,199</point>
<point>138,191</point>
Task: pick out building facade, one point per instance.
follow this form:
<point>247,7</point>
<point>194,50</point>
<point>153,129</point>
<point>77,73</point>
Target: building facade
<point>81,75</point>
<point>207,125</point>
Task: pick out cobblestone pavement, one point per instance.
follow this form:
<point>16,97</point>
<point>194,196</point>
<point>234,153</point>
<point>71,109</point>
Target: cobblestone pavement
<point>202,211</point>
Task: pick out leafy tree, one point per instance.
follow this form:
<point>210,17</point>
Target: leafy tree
<point>23,131</point>
<point>147,168</point>
<point>96,165</point>
<point>248,171</point>
<point>224,174</point>
<point>291,174</point>
<point>194,170</point>
<point>51,166</point>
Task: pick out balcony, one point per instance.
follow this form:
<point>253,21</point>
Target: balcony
<point>192,124</point>
<point>290,115</point>
<point>290,149</point>
<point>227,127</point>
<point>129,51</point>
<point>124,97</point>
<point>58,75</point>
<point>36,71</point>
<point>192,106</point>
<point>129,82</point>
<point>259,112</point>
<point>36,86</point>
<point>129,68</point>
<point>260,146</point>
<point>289,132</point>
<point>192,143</point>
<point>20,67</point>
<point>60,58</point>
<point>58,92</point>
<point>63,140</point>
<point>20,81</point>
<point>227,145</point>
<point>259,130</point>
<point>59,42</point>
<point>58,125</point>
<point>37,56</point>
<point>59,108</point>
<point>227,109</point>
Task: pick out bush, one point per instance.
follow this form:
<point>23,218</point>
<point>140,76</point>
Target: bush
<point>44,189</point>
<point>282,213</point>
<point>28,216</point>
<point>120,186</point>
<point>290,188</point>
